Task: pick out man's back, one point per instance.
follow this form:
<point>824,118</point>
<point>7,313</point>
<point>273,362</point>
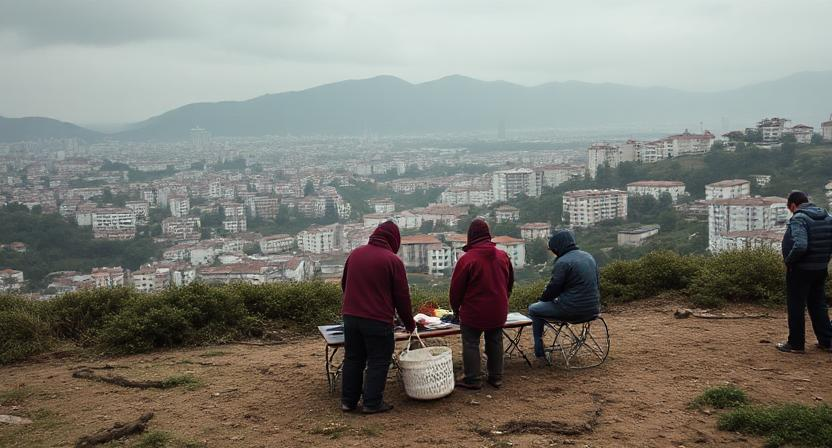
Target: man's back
<point>581,289</point>
<point>807,243</point>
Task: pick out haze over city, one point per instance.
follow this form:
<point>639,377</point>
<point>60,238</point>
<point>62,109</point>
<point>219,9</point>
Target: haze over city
<point>99,62</point>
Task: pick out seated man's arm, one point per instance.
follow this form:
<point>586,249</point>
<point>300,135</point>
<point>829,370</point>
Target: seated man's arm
<point>555,286</point>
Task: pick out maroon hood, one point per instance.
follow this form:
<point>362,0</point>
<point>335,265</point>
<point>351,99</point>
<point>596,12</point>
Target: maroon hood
<point>478,233</point>
<point>387,235</point>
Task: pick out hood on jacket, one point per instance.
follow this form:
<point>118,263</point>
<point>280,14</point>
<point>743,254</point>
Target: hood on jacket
<point>387,235</point>
<point>812,211</point>
<point>478,232</point>
<point>561,242</point>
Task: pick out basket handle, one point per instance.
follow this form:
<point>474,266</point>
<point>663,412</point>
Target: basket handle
<point>415,332</point>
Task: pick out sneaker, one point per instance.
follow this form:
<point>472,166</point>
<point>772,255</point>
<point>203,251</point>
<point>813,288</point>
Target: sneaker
<point>347,408</point>
<point>383,407</point>
<point>826,348</point>
<point>496,384</point>
<point>785,347</point>
<point>470,386</point>
<point>541,362</point>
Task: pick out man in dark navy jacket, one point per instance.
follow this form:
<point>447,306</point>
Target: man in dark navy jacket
<point>807,245</point>
<point>375,289</point>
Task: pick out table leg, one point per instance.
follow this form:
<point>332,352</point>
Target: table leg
<point>331,377</point>
<point>514,344</point>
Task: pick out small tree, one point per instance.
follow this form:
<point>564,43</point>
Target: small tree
<point>537,251</point>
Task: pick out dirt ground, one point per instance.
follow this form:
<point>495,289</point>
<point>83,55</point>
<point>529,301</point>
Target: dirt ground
<point>276,396</point>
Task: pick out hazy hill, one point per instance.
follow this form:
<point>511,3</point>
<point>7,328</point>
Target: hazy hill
<point>35,128</point>
<point>389,105</point>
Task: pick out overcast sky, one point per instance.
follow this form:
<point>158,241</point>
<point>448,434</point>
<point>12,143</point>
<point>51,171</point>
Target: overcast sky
<point>111,61</point>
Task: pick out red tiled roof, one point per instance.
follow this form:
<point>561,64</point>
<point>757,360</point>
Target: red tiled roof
<point>420,239</point>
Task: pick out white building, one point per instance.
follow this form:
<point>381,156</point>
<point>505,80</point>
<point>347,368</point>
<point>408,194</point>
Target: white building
<point>506,213</point>
<point>749,239</point>
<point>384,205</point>
<point>637,237</point>
<point>319,240</point>
<point>113,223</point>
<point>476,196</point>
<point>656,188</point>
<point>10,280</point>
<point>425,252</point>
<point>742,214</point>
<point>509,184</point>
<point>602,153</point>
<point>802,133</point>
<point>276,243</point>
<point>108,277</point>
<point>772,129</point>
<point>761,180</point>
<point>235,217</point>
<point>179,206</point>
<point>554,175</point>
<point>514,247</point>
<point>535,230</point>
<point>187,228</point>
<point>728,189</point>
<point>826,130</point>
<point>150,279</point>
<point>584,208</point>
<point>141,209</point>
<point>686,144</point>
<point>263,207</point>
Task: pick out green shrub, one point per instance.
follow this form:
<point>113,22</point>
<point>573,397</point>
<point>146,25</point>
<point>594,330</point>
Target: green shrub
<point>656,272</point>
<point>145,323</point>
<point>749,276</point>
<point>306,303</point>
<point>722,397</point>
<point>787,424</point>
<point>524,295</point>
<point>80,315</point>
<point>23,332</point>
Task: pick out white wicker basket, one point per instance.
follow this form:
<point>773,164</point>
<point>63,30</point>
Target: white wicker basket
<point>428,372</point>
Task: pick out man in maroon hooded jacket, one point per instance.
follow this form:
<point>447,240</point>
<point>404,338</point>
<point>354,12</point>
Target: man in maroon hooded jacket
<point>375,289</point>
<point>480,286</point>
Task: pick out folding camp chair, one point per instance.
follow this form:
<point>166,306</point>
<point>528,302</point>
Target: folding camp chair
<point>577,344</point>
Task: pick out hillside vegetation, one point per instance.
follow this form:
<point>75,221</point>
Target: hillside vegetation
<point>121,320</point>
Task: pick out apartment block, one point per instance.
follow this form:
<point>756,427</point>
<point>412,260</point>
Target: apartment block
<point>656,188</point>
<point>744,214</point>
<point>141,209</point>
<point>583,208</point>
<point>113,223</point>
<point>509,184</point>
<point>535,230</point>
<point>319,239</point>
<point>425,252</point>
<point>728,189</point>
<point>235,217</point>
<point>276,244</point>
<point>514,247</point>
<point>187,228</point>
<point>179,206</point>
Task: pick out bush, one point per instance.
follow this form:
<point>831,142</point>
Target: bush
<point>306,303</point>
<point>23,332</point>
<point>79,315</point>
<point>722,397</point>
<point>752,276</point>
<point>524,295</point>
<point>787,424</point>
<point>656,272</point>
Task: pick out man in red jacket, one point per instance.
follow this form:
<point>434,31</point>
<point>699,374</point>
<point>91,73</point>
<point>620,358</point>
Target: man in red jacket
<point>480,287</point>
<point>375,289</point>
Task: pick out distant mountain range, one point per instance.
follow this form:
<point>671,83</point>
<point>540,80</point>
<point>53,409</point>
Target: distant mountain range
<point>389,105</point>
<point>37,128</point>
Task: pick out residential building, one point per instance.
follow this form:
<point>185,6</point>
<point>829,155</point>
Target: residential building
<point>656,188</point>
<point>509,184</point>
<point>425,252</point>
<point>584,208</point>
<point>749,213</point>
<point>728,189</point>
<point>10,280</point>
<point>319,239</point>
<point>263,207</point>
<point>826,130</point>
<point>600,154</point>
<point>149,279</point>
<point>535,230</point>
<point>772,129</point>
<point>276,244</point>
<point>113,223</point>
<point>514,247</point>
<point>383,205</point>
<point>68,281</point>
<point>685,144</point>
<point>235,217</point>
<point>761,180</point>
<point>554,175</point>
<point>637,237</point>
<point>141,209</point>
<point>182,229</point>
<point>506,213</point>
<point>802,133</point>
<point>179,206</point>
<point>108,277</point>
<point>477,196</point>
<point>749,239</point>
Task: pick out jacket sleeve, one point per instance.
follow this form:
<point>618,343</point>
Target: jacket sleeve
<point>459,283</point>
<point>556,283</point>
<point>401,296</point>
<point>797,229</point>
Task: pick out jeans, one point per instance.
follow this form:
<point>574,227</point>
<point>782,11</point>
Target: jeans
<point>539,312</point>
<point>368,344</point>
<point>471,354</point>
<point>806,290</point>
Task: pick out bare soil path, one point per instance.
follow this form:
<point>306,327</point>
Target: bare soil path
<point>276,396</point>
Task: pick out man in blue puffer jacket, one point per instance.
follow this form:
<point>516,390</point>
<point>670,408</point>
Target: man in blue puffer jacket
<point>572,294</point>
<point>807,246</point>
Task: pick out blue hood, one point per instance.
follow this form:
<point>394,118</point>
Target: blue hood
<point>812,211</point>
<point>561,242</point>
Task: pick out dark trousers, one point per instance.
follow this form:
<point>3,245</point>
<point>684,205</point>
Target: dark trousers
<point>471,354</point>
<point>367,344</point>
<point>806,290</point>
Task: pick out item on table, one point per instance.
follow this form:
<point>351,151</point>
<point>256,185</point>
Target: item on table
<point>440,312</point>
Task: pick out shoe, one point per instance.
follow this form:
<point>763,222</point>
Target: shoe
<point>785,347</point>
<point>463,385</point>
<point>496,384</point>
<point>347,408</point>
<point>383,407</point>
<point>541,362</point>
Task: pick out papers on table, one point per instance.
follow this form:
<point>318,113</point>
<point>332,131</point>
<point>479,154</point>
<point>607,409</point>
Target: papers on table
<point>516,317</point>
